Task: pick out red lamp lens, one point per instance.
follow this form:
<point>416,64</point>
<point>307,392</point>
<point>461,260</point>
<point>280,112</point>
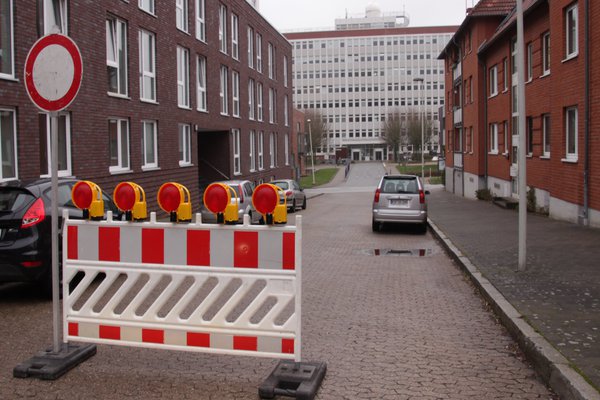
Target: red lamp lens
<point>124,196</point>
<point>265,198</point>
<point>82,195</point>
<point>215,198</point>
<point>169,197</point>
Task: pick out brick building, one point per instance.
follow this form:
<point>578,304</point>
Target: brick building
<point>481,130</point>
<point>190,91</point>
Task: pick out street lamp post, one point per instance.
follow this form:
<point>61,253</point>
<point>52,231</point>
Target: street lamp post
<point>421,81</point>
<point>312,155</point>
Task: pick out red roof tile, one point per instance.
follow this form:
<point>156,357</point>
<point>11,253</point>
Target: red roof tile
<point>492,8</point>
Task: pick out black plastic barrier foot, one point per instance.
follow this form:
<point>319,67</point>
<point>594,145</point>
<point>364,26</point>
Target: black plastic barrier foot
<point>49,365</point>
<point>294,379</point>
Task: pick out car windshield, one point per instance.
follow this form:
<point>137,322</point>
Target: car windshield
<point>12,200</point>
<point>400,185</point>
<point>283,185</point>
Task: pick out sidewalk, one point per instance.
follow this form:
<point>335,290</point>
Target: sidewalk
<point>553,305</point>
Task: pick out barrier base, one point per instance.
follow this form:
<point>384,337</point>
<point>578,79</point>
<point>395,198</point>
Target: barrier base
<point>48,365</point>
<point>294,379</point>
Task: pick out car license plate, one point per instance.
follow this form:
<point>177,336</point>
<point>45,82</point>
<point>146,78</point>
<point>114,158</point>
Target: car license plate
<point>398,203</point>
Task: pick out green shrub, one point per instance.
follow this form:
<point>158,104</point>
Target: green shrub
<point>484,194</point>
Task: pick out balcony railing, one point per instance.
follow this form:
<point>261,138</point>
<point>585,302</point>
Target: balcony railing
<point>457,116</point>
<point>456,74</point>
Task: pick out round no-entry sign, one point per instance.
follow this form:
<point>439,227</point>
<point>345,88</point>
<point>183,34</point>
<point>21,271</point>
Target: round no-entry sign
<point>53,72</point>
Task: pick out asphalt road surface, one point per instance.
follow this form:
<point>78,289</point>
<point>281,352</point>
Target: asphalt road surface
<point>388,312</point>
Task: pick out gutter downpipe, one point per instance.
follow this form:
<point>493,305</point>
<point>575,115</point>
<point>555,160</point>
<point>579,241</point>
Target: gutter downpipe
<point>485,122</point>
<point>586,169</point>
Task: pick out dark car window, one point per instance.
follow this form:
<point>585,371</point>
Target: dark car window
<point>400,185</point>
<point>12,200</point>
<point>248,189</point>
<point>64,195</point>
<point>283,185</point>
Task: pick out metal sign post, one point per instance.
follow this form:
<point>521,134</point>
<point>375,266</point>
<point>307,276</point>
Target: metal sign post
<point>54,228</point>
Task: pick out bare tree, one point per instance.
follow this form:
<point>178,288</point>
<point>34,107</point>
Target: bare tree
<point>318,127</point>
<point>413,128</point>
<point>393,132</point>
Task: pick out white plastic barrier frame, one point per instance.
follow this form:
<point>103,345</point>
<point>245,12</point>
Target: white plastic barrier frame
<point>142,283</point>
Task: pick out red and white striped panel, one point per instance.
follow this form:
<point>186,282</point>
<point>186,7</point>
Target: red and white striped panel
<point>194,245</point>
<point>182,339</point>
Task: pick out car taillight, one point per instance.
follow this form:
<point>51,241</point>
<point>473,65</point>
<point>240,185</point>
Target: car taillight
<point>34,215</point>
<point>421,197</point>
<point>288,193</point>
<point>377,192</point>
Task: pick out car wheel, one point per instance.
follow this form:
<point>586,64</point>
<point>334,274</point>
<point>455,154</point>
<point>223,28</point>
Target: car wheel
<point>375,226</point>
<point>423,228</point>
<point>293,208</point>
<point>304,204</point>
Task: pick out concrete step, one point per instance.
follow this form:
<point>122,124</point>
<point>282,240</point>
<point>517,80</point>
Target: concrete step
<point>506,202</point>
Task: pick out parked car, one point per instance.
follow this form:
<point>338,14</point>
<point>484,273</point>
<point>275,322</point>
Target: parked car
<point>400,199</point>
<point>293,192</point>
<point>25,229</point>
<point>243,196</point>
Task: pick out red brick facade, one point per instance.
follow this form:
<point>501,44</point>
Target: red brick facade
<point>554,92</point>
<point>211,141</point>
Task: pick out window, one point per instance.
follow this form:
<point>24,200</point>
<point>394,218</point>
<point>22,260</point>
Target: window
<point>235,37</point>
<point>149,145</point>
<point>200,22</point>
<point>181,14</point>
<point>494,138</point>
<point>285,71</point>
<point>529,136</point>
<point>185,145</point>
<point>571,133</point>
<point>513,55</point>
<point>147,66</point>
<point>201,83</point>
<point>546,53</point>
<point>493,81</point>
<point>7,68</point>
<point>223,90</point>
<point>235,88</point>
<point>571,36</point>
<point>272,150</point>
<point>529,61</point>
<point>250,39</point>
<point>223,28</point>
<point>116,55</point>
<point>259,101</point>
<point>54,18</point>
<point>259,52</point>
<point>271,61</point>
<point>183,77</point>
<point>505,137</point>
<point>235,139</point>
<point>271,105</point>
<point>147,5</point>
<point>8,145</point>
<point>285,111</point>
<point>261,164</point>
<point>251,99</point>
<point>505,74</point>
<point>64,144</point>
<point>118,144</point>
<point>252,151</point>
<point>546,128</point>
<point>287,148</point>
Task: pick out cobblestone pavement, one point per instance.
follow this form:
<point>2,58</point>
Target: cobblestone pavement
<point>389,327</point>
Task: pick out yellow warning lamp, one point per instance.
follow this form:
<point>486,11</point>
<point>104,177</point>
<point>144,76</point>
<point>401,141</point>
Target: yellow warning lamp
<point>174,198</point>
<point>87,196</point>
<point>266,199</point>
<point>131,198</point>
<point>217,199</point>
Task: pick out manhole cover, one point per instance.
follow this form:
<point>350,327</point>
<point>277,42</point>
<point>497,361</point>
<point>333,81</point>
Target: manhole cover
<point>398,252</point>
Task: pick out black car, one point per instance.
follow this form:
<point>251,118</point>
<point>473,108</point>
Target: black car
<point>25,229</point>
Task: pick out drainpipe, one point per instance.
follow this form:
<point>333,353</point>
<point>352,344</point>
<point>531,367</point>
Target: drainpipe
<point>485,120</point>
<point>586,169</point>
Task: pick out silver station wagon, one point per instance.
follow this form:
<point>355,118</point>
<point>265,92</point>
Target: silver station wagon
<point>400,199</point>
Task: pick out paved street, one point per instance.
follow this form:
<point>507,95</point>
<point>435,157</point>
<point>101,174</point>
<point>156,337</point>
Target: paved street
<point>389,326</point>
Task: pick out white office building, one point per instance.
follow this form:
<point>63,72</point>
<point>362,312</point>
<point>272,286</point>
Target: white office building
<point>363,70</point>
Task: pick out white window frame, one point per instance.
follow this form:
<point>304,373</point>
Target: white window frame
<point>272,150</point>
<point>271,106</point>
<point>181,15</point>
<point>546,53</point>
<point>223,29</point>
<point>529,62</point>
<point>505,74</point>
<point>235,37</point>
<point>286,118</point>
<point>285,71</point>
<point>201,83</point>
<point>185,145</point>
<point>8,31</point>
<point>123,155</point>
<point>50,18</point>
<point>148,163</point>
<point>235,147</point>
<point>223,90</point>
<point>493,81</point>
<point>252,154</point>
<point>251,97</point>
<point>183,77</point>
<point>259,52</point>
<point>116,31</point>
<point>546,135</point>
<point>571,138</point>
<point>147,6</point>
<point>250,38</point>
<point>201,20</point>
<point>235,93</point>
<point>494,138</point>
<point>571,32</point>
<point>271,60</point>
<point>67,141</point>
<point>286,143</point>
<point>147,38</point>
<point>261,157</point>
<point>259,102</point>
<point>11,153</point>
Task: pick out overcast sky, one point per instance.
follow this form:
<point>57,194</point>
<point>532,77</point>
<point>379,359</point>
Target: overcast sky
<point>302,14</point>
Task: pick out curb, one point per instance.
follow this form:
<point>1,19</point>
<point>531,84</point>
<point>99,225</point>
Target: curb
<point>552,367</point>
